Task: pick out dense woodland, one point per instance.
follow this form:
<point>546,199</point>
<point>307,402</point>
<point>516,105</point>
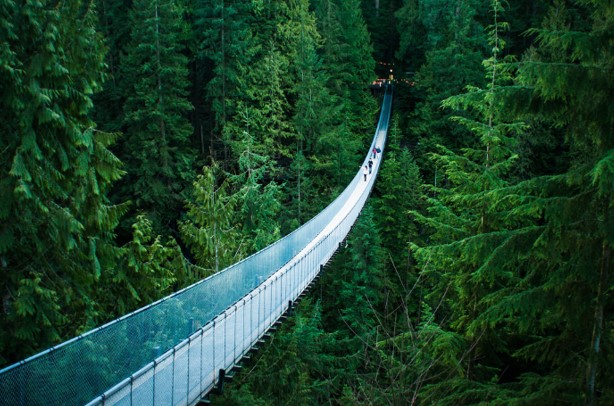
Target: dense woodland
<point>146,144</point>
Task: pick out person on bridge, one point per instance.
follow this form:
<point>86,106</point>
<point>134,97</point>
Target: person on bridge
<point>364,171</point>
<point>370,165</point>
<point>374,153</point>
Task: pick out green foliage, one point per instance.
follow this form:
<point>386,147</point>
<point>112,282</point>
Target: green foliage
<point>443,44</point>
<point>294,368</point>
<point>491,285</point>
<point>381,23</point>
<point>524,270</point>
<point>225,37</point>
<point>225,48</point>
<point>147,270</point>
<point>332,112</point>
<point>398,188</point>
<point>325,352</point>
<point>157,151</point>
<point>347,43</point>
<point>114,25</point>
<point>313,116</point>
<point>258,196</point>
<point>210,227</point>
<point>57,225</point>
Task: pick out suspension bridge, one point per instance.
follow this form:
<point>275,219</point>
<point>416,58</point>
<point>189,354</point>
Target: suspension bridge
<point>178,349</point>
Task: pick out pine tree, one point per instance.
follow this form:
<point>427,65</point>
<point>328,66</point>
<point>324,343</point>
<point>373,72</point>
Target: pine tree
<point>114,25</point>
<point>566,81</point>
<point>313,111</point>
<point>147,269</point>
<point>380,18</point>
<point>412,35</point>
<point>293,368</point>
<point>56,232</point>
<point>223,29</point>
<point>398,189</point>
<point>347,44</point>
<point>257,194</point>
<point>466,260</point>
<point>157,150</point>
<point>532,281</point>
<point>209,229</point>
<point>356,290</point>
<point>442,41</point>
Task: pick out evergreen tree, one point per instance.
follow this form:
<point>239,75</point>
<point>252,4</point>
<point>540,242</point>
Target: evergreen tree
<point>412,35</point>
<point>256,192</point>
<point>114,25</point>
<point>469,231</point>
<point>356,289</point>
<point>380,18</point>
<point>565,280</point>
<point>147,270</point>
<point>209,228</point>
<point>294,368</point>
<point>56,232</point>
<point>299,194</point>
<point>313,111</point>
<point>326,352</point>
<point>263,107</point>
<point>347,44</point>
<point>223,29</point>
<point>398,192</point>
<point>157,150</point>
<point>527,291</point>
<point>453,48</point>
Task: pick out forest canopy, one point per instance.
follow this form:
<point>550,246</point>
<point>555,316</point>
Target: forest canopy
<point>147,144</point>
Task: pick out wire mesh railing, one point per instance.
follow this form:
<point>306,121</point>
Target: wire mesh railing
<point>177,344</point>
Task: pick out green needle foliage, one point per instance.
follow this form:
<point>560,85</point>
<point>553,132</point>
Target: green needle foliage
<point>480,273</point>
<point>258,196</point>
<point>224,34</point>
<point>114,25</point>
<point>157,152</point>
<point>56,223</point>
<point>398,189</point>
<point>210,229</point>
<point>449,36</point>
<point>523,266</point>
<point>347,43</point>
<point>148,269</point>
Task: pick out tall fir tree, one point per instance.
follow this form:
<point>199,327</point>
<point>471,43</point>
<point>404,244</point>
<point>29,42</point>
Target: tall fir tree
<point>381,23</point>
<point>209,229</point>
<point>565,81</point>
<point>56,232</point>
<point>463,262</point>
<point>257,193</point>
<point>530,293</point>
<point>347,44</point>
<point>443,45</point>
<point>224,35</point>
<point>313,113</point>
<point>148,267</point>
<point>114,25</point>
<point>398,192</point>
<point>157,152</point>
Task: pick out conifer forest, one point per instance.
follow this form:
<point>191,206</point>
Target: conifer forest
<point>148,144</point>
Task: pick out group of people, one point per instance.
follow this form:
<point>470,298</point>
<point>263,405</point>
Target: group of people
<point>369,167</point>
